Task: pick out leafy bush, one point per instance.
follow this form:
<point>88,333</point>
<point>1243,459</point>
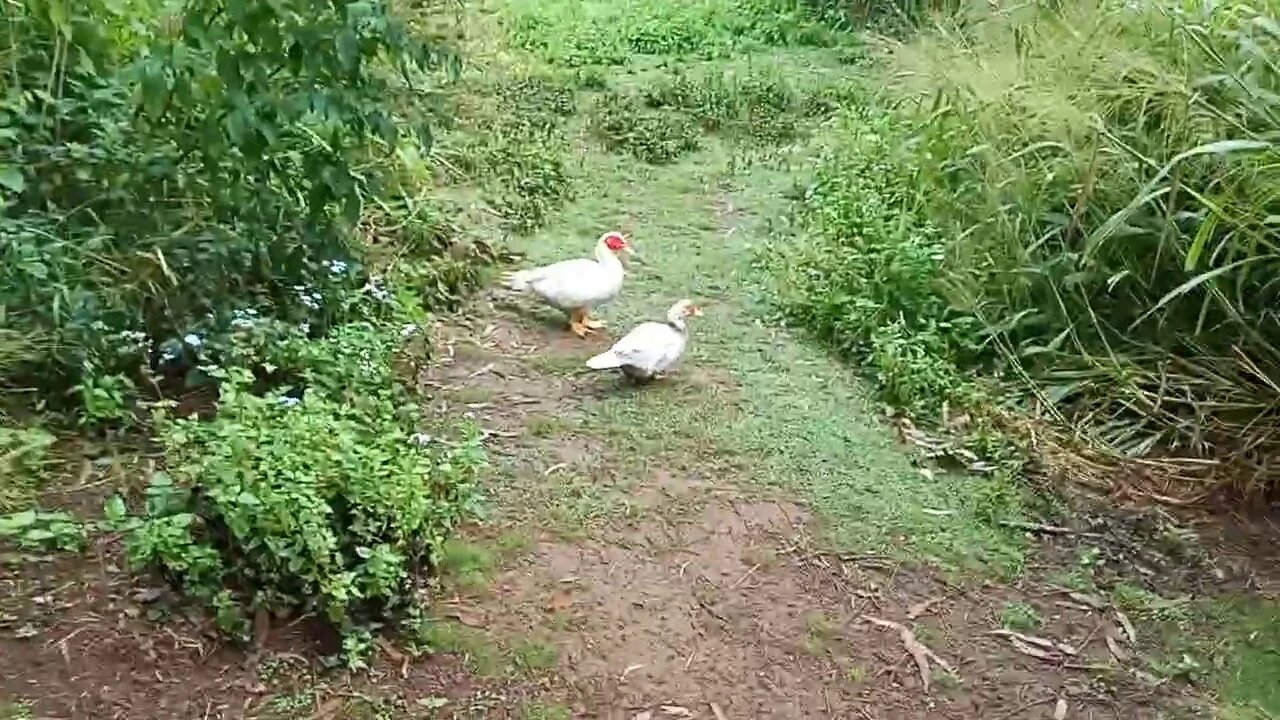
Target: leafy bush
<point>1080,196</point>
<point>324,499</point>
<point>191,163</point>
<point>44,530</point>
<point>652,136</point>
<point>572,33</point>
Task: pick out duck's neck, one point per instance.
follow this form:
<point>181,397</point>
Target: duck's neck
<point>608,260</point>
<point>677,322</point>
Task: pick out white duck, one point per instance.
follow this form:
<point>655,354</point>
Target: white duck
<point>652,347</point>
<point>576,286</point>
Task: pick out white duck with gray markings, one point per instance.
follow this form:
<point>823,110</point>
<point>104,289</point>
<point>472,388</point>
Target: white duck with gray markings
<point>651,348</point>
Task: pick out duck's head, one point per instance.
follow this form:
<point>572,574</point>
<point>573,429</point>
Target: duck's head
<point>682,311</point>
<point>617,244</point>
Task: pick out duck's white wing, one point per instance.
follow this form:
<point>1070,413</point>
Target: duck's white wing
<point>649,346</point>
<point>571,283</point>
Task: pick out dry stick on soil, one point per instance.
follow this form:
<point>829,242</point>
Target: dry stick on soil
<point>918,652</point>
<point>1048,529</point>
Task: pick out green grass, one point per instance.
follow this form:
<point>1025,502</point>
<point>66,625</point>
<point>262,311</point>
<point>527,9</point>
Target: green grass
<point>1020,617</point>
<point>480,652</point>
<point>800,420</point>
<point>465,566</point>
<point>534,655</point>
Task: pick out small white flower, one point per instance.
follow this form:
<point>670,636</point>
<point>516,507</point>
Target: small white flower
<point>375,288</point>
<point>409,330</point>
<point>308,297</point>
<point>421,439</point>
<point>168,356</point>
<point>243,318</point>
<point>288,401</point>
<point>193,340</point>
<point>337,267</point>
<point>304,328</point>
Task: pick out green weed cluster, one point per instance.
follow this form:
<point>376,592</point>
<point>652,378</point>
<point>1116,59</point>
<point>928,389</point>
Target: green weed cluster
<point>324,498</point>
<point>163,169</point>
<point>516,148</point>
<point>573,33</point>
<point>760,107</point>
<point>625,125</point>
<point>663,120</point>
<point>24,455</point>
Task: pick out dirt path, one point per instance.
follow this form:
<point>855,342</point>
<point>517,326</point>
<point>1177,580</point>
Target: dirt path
<point>661,585</point>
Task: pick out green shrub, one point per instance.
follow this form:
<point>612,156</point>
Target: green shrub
<point>193,162</point>
<point>322,499</point>
<point>1105,174</point>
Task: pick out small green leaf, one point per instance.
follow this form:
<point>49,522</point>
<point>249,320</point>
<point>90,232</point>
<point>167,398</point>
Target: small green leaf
<point>11,178</point>
<point>17,521</point>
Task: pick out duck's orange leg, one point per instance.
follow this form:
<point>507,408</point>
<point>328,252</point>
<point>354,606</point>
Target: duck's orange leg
<point>589,322</point>
<point>577,322</point>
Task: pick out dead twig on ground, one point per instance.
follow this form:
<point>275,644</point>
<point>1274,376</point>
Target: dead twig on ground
<point>921,654</point>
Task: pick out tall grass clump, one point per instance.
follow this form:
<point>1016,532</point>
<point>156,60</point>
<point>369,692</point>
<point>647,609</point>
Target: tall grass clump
<point>1105,181</point>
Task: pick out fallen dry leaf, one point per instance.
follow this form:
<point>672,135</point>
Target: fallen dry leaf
<point>1063,648</point>
<point>467,617</point>
<point>921,607</point>
<point>560,601</point>
<point>391,650</point>
<point>1128,627</point>
<point>715,710</point>
<point>1031,650</point>
<point>1060,710</point>
<point>646,715</point>
<point>1116,652</point>
<point>1092,601</point>
<point>677,711</point>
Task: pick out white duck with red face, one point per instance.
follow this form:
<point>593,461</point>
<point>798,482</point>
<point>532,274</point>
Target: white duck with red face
<point>576,286</point>
<point>651,348</point>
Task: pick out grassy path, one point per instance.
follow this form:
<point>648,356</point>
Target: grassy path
<point>712,544</point>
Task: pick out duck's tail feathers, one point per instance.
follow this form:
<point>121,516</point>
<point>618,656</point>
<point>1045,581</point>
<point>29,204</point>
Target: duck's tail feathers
<point>604,361</point>
<point>519,280</point>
